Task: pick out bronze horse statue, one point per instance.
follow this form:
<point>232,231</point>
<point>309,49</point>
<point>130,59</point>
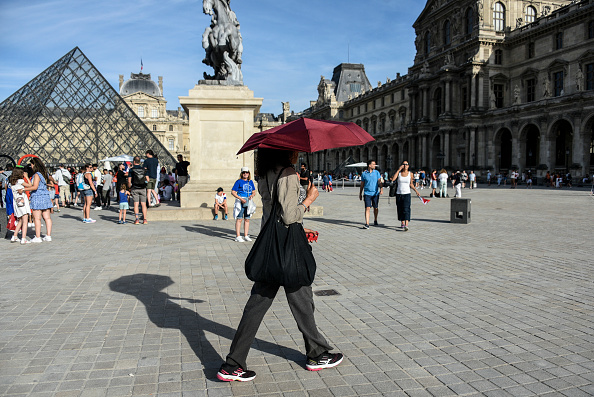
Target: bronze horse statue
<point>222,42</point>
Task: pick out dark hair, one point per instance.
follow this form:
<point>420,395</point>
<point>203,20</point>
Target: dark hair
<point>38,166</point>
<point>150,152</point>
<point>369,162</point>
<point>95,165</point>
<point>269,159</point>
<point>136,160</point>
<point>304,165</point>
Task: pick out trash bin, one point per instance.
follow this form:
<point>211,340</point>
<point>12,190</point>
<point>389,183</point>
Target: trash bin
<point>460,210</point>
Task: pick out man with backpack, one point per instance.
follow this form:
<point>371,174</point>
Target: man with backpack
<point>137,181</point>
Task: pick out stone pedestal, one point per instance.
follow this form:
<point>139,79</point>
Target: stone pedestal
<point>221,120</point>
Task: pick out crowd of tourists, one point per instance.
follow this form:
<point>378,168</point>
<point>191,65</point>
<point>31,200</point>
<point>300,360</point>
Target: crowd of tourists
<point>32,192</point>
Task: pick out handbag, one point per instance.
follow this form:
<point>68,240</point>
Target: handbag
<point>393,188</point>
<point>12,222</point>
<point>281,254</point>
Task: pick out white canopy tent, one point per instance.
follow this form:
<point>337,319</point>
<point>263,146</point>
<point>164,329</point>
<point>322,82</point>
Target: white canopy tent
<point>357,165</point>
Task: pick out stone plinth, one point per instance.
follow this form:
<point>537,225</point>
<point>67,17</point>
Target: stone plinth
<point>221,119</point>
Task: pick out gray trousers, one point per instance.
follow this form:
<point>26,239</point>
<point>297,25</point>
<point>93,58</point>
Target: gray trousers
<point>302,306</point>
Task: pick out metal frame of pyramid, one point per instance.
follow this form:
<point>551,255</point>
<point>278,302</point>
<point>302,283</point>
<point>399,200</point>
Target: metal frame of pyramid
<point>69,114</point>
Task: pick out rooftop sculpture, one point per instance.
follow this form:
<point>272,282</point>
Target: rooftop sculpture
<point>223,44</point>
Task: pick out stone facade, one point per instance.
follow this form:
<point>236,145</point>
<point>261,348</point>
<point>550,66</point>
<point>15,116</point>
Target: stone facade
<point>146,99</point>
<point>495,85</point>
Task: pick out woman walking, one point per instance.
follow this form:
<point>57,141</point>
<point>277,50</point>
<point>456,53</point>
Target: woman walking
<point>271,164</point>
<point>41,202</point>
<point>243,190</point>
<point>405,183</point>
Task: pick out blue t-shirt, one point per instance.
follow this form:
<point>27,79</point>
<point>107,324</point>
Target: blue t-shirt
<point>371,187</point>
<point>244,188</point>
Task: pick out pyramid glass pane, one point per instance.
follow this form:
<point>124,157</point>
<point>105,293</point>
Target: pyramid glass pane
<point>69,114</point>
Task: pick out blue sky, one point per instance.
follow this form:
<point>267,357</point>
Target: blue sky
<point>288,45</point>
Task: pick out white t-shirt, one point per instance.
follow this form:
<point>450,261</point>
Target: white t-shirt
<point>443,177</point>
<point>59,176</point>
<point>220,199</point>
<point>97,177</point>
<point>166,192</point>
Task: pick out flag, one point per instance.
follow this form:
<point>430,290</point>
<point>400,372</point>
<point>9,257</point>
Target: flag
<point>141,64</point>
<point>424,200</point>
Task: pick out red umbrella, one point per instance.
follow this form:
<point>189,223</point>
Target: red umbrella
<point>309,135</point>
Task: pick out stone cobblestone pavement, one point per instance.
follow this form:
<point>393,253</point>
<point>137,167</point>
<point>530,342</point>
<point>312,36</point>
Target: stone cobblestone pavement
<point>502,306</point>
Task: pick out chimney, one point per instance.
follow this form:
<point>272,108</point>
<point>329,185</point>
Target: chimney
<point>121,80</point>
<point>161,84</point>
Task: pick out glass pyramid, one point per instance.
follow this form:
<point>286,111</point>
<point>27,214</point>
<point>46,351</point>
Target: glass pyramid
<point>69,114</point>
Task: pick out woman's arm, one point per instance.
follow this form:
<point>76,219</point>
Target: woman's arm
<point>34,184</point>
<point>288,197</point>
<point>397,172</point>
<point>412,186</point>
<point>234,194</point>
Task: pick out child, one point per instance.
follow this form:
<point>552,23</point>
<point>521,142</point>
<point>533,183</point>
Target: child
<point>220,202</point>
<point>20,205</point>
<point>123,200</point>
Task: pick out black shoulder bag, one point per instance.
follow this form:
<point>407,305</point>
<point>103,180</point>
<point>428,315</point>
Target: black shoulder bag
<point>281,254</point>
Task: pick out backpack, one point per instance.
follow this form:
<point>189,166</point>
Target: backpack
<point>80,181</point>
<point>66,178</point>
<point>137,175</point>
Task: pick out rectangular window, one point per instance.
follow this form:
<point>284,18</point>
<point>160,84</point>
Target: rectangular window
<point>498,91</point>
<point>464,98</point>
<point>591,30</point>
<point>171,144</point>
<point>498,57</point>
<point>154,127</point>
<point>530,90</point>
<point>383,102</point>
<point>531,47</point>
<point>559,41</point>
<point>402,95</point>
<point>558,81</point>
<point>154,113</point>
<point>141,111</point>
<point>590,76</point>
<point>365,107</point>
<point>355,87</point>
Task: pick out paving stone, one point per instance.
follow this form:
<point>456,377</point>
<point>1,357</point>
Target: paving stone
<point>470,314</point>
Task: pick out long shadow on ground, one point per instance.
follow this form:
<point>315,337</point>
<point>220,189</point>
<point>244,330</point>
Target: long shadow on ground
<point>165,313</point>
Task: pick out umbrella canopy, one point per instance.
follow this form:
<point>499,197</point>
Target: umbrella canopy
<point>357,165</point>
<point>121,157</point>
<point>308,135</point>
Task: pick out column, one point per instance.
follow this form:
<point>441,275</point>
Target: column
<point>471,147</point>
<point>424,151</point>
<point>447,96</point>
<point>446,149</point>
<point>473,91</point>
<point>481,91</point>
<point>413,108</point>
<point>426,103</point>
<point>482,147</point>
<point>577,149</point>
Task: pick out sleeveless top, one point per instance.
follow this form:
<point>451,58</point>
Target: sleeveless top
<point>40,198</point>
<point>403,184</point>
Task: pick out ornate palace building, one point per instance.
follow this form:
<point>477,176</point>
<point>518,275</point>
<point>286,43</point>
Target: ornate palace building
<point>145,98</point>
<point>495,85</point>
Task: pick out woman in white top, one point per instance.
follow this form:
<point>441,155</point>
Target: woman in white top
<point>405,183</point>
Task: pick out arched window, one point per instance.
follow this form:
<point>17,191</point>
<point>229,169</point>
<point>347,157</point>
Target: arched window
<point>447,33</point>
<point>530,14</point>
<point>469,20</point>
<point>170,127</point>
<point>499,17</point>
<point>428,43</point>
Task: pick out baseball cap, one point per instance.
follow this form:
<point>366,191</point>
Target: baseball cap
<point>245,169</point>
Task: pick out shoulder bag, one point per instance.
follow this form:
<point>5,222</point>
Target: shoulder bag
<point>281,254</point>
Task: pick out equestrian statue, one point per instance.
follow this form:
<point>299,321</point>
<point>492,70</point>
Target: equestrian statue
<point>223,43</point>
